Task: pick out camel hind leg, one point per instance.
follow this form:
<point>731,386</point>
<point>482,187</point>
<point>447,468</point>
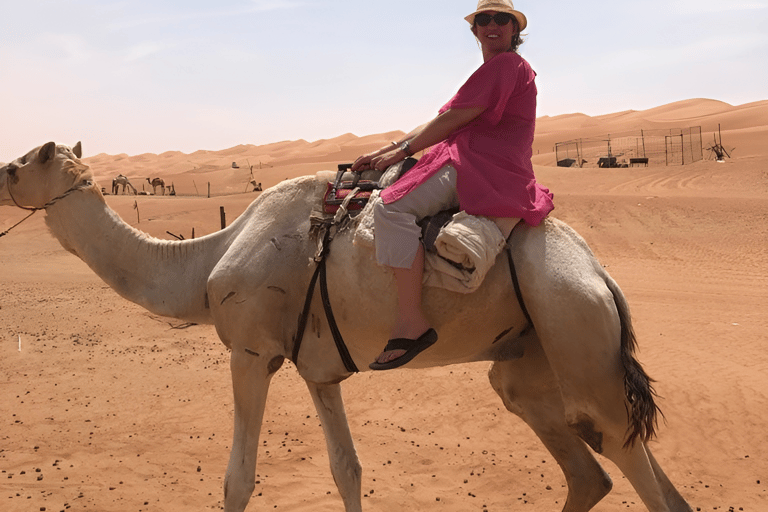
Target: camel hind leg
<point>528,388</point>
<point>345,466</point>
<point>675,500</point>
<point>585,354</point>
<point>583,323</point>
<point>634,456</point>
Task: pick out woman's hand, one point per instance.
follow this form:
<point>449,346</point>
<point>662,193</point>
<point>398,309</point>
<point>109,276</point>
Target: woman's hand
<point>363,163</point>
<point>371,160</point>
<point>382,162</point>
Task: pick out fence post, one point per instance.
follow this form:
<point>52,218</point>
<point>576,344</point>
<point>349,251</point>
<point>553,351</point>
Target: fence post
<point>223,217</point>
<point>682,148</point>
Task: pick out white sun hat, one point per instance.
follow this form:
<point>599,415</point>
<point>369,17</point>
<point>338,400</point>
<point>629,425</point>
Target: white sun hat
<point>498,6</point>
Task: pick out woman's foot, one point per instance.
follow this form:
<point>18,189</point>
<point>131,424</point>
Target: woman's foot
<point>400,351</point>
<point>415,328</point>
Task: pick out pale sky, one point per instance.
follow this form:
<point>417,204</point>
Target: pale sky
<point>145,76</point>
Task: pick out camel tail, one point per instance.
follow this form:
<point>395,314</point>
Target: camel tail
<point>643,413</point>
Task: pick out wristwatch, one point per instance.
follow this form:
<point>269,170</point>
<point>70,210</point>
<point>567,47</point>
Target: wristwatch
<point>406,147</point>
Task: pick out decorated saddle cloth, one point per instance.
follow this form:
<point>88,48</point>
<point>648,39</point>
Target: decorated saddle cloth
<point>459,253</point>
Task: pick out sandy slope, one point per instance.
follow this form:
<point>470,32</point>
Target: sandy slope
<point>109,408</point>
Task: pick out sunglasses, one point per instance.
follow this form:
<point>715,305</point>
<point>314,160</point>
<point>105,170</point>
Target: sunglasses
<point>501,18</point>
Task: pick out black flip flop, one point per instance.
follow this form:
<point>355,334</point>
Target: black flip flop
<point>412,348</point>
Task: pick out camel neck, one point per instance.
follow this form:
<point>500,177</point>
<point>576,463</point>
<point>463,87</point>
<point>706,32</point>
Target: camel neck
<point>166,277</point>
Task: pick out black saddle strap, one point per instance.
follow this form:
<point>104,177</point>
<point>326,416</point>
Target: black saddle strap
<point>515,281</point>
<point>304,315</point>
<point>346,358</point>
<point>320,271</point>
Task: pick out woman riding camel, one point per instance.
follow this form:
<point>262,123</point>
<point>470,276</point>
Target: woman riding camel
<point>481,162</point>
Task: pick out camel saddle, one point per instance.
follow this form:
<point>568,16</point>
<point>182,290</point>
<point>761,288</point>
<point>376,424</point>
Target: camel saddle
<point>361,190</point>
<point>339,189</point>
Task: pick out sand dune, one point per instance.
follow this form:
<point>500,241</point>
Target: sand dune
<point>107,407</point>
<point>743,127</point>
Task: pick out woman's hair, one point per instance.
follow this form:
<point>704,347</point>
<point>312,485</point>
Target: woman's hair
<point>517,39</point>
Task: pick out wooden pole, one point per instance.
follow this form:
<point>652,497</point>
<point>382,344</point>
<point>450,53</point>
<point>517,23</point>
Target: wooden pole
<point>682,149</point>
<point>223,217</point>
<point>580,151</point>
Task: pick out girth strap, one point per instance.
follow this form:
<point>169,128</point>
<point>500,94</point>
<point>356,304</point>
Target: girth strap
<point>515,281</point>
<point>320,271</point>
<point>297,339</point>
<point>346,358</point>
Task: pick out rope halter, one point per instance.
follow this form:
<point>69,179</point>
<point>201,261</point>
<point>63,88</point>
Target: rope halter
<point>34,209</point>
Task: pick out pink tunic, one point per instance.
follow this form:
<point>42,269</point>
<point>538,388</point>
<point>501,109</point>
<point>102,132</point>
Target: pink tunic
<point>491,154</point>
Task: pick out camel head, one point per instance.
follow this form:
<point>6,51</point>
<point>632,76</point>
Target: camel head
<point>43,174</point>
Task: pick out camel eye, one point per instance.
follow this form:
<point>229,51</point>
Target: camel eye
<point>11,170</point>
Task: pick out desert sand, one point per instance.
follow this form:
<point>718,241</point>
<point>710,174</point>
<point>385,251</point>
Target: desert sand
<point>106,407</point>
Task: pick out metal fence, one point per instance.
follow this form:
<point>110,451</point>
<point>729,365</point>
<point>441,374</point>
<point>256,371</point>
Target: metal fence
<point>677,146</point>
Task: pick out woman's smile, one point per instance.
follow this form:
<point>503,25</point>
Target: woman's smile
<point>493,37</point>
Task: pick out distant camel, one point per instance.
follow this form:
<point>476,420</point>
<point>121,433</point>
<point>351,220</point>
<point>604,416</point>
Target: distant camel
<point>571,162</point>
<point>564,362</point>
<point>157,182</point>
<point>122,181</point>
<point>256,186</point>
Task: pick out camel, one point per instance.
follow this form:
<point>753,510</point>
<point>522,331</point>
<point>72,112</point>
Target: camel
<point>567,368</point>
<point>157,182</point>
<point>121,180</point>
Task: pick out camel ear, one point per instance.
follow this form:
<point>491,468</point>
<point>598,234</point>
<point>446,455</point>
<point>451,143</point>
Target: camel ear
<point>78,150</point>
<point>46,152</point>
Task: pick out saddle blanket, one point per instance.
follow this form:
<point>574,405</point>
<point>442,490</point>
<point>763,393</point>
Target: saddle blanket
<point>465,249</point>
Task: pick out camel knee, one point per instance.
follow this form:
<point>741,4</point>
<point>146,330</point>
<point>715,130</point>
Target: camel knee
<point>352,474</point>
<point>588,483</point>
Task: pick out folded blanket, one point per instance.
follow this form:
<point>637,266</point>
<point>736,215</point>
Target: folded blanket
<point>364,231</point>
<point>466,249</point>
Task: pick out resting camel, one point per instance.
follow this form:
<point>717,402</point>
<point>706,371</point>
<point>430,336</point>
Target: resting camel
<point>569,372</point>
<point>157,182</point>
<point>122,181</point>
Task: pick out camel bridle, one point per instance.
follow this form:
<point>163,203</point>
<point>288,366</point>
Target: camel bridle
<point>34,209</point>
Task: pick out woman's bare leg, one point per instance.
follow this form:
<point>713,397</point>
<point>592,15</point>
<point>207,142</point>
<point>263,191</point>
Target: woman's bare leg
<point>410,322</point>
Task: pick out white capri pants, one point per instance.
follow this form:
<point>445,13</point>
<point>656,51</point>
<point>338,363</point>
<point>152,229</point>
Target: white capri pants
<point>396,234</point>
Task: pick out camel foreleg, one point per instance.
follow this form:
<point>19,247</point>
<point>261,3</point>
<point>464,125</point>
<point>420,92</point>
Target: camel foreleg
<point>345,466</point>
<point>528,388</point>
<point>251,375</point>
